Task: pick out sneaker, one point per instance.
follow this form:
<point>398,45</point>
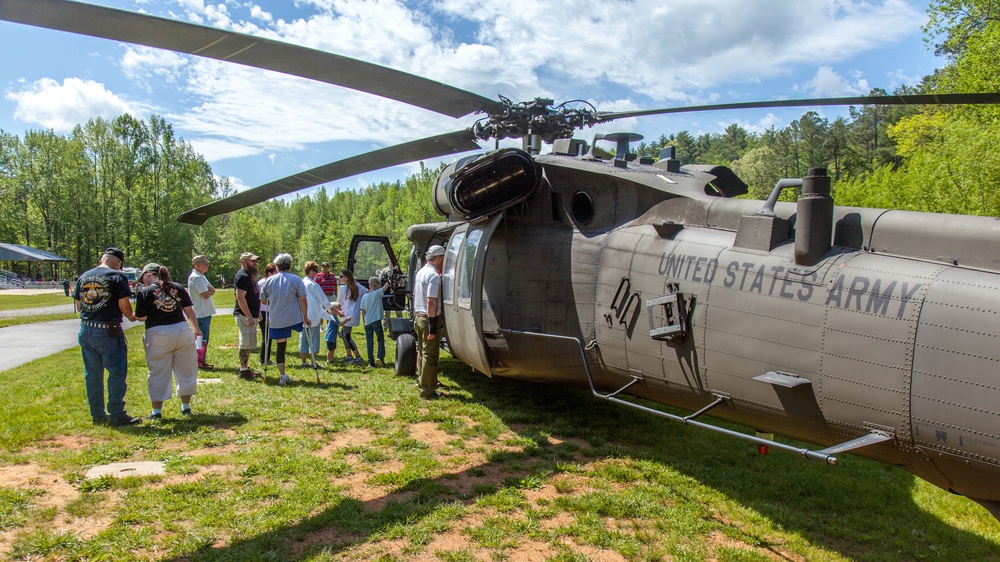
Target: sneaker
<point>315,366</point>
<point>371,364</point>
<point>124,419</point>
<point>347,359</point>
<point>431,396</point>
<point>207,366</point>
<point>305,365</point>
<point>186,412</point>
<point>283,381</point>
<point>154,416</point>
<point>358,361</point>
<point>379,363</point>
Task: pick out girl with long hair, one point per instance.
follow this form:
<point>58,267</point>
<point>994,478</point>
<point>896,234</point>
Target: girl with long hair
<point>349,295</point>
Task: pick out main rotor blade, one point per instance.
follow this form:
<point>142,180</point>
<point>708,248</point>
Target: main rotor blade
<point>914,99</point>
<point>430,147</point>
<point>229,46</point>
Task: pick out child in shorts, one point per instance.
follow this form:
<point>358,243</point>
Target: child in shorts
<point>332,329</point>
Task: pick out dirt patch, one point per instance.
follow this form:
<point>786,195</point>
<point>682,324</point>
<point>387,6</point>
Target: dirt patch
<point>62,442</point>
<point>560,520</point>
<point>718,539</point>
<point>343,439</point>
<point>54,493</point>
<point>467,481</point>
<point>388,411</point>
<point>598,554</point>
<point>326,536</point>
<point>429,434</point>
<point>531,550</point>
<point>450,541</point>
<point>200,473</point>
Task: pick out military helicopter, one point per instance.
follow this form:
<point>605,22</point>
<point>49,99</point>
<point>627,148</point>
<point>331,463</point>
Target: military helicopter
<point>871,331</point>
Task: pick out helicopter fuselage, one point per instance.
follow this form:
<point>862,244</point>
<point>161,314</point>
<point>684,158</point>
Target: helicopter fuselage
<point>693,297</point>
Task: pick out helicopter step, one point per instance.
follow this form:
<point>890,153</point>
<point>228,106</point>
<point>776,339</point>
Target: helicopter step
<point>824,455</point>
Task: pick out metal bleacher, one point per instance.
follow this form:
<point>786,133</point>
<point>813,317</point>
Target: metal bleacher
<point>10,280</point>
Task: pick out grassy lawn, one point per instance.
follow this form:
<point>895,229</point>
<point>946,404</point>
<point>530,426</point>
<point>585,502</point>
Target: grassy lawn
<point>17,302</point>
<point>18,320</point>
<point>357,467</point>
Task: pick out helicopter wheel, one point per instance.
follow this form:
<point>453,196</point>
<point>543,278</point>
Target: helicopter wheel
<point>406,355</point>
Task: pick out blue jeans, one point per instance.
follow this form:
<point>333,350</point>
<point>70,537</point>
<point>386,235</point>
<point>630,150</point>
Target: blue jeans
<point>375,329</point>
<point>103,352</point>
<point>205,325</point>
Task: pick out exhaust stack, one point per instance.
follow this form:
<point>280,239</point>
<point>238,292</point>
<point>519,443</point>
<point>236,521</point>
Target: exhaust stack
<point>814,221</point>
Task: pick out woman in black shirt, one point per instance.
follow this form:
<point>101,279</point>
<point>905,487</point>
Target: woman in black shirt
<point>169,341</point>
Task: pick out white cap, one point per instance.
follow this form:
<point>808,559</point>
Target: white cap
<point>435,251</point>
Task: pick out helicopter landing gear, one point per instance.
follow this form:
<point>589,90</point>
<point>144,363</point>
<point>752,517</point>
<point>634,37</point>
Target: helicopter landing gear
<point>406,355</point>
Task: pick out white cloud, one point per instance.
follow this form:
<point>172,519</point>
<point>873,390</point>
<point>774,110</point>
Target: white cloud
<point>62,106</point>
<point>758,126</point>
<point>141,63</point>
<point>828,83</point>
<point>671,51</point>
<point>620,55</point>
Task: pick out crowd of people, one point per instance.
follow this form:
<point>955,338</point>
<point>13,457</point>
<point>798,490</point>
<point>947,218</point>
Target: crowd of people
<point>178,324</point>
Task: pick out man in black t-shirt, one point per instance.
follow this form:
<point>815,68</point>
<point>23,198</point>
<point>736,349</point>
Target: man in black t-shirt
<point>102,297</point>
<point>247,311</point>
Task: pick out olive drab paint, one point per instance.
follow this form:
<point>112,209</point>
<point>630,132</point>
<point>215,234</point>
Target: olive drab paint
<point>666,302</point>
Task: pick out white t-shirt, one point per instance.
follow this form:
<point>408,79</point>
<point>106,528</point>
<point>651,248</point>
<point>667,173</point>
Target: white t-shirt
<point>198,284</point>
<point>350,307</point>
<point>426,283</point>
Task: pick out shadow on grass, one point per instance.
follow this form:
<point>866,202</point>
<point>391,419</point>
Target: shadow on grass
<point>181,424</point>
<point>862,510</point>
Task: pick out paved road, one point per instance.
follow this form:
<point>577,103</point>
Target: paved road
<point>27,342</point>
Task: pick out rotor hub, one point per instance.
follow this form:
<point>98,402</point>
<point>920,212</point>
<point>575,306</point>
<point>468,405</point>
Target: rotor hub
<point>536,117</point>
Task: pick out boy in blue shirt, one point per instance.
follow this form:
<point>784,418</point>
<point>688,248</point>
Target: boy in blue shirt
<point>371,315</point>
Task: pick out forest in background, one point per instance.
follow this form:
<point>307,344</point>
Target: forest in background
<point>124,181</point>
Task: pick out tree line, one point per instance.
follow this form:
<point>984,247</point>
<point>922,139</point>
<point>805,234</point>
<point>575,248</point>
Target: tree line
<point>124,181</point>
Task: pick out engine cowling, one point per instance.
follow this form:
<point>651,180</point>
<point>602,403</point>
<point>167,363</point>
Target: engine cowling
<point>477,186</point>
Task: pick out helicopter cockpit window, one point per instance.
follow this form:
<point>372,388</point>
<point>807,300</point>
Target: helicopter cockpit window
<point>369,259</point>
<point>450,263</point>
<point>465,275</point>
<point>583,208</point>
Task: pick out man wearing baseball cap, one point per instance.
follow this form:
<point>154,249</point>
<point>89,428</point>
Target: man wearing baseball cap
<point>102,297</point>
<point>201,291</point>
<point>426,292</point>
<point>247,311</point>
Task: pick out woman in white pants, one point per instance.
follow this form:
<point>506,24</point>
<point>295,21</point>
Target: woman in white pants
<point>169,341</point>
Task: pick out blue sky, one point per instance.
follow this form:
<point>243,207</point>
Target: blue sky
<point>256,126</point>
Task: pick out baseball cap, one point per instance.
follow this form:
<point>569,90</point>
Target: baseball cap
<point>199,259</point>
<point>435,251</point>
<point>116,252</point>
<point>248,256</point>
<point>151,267</point>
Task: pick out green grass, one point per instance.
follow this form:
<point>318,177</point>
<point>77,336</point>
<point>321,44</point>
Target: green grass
<point>17,302</point>
<point>357,467</point>
<point>18,320</point>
